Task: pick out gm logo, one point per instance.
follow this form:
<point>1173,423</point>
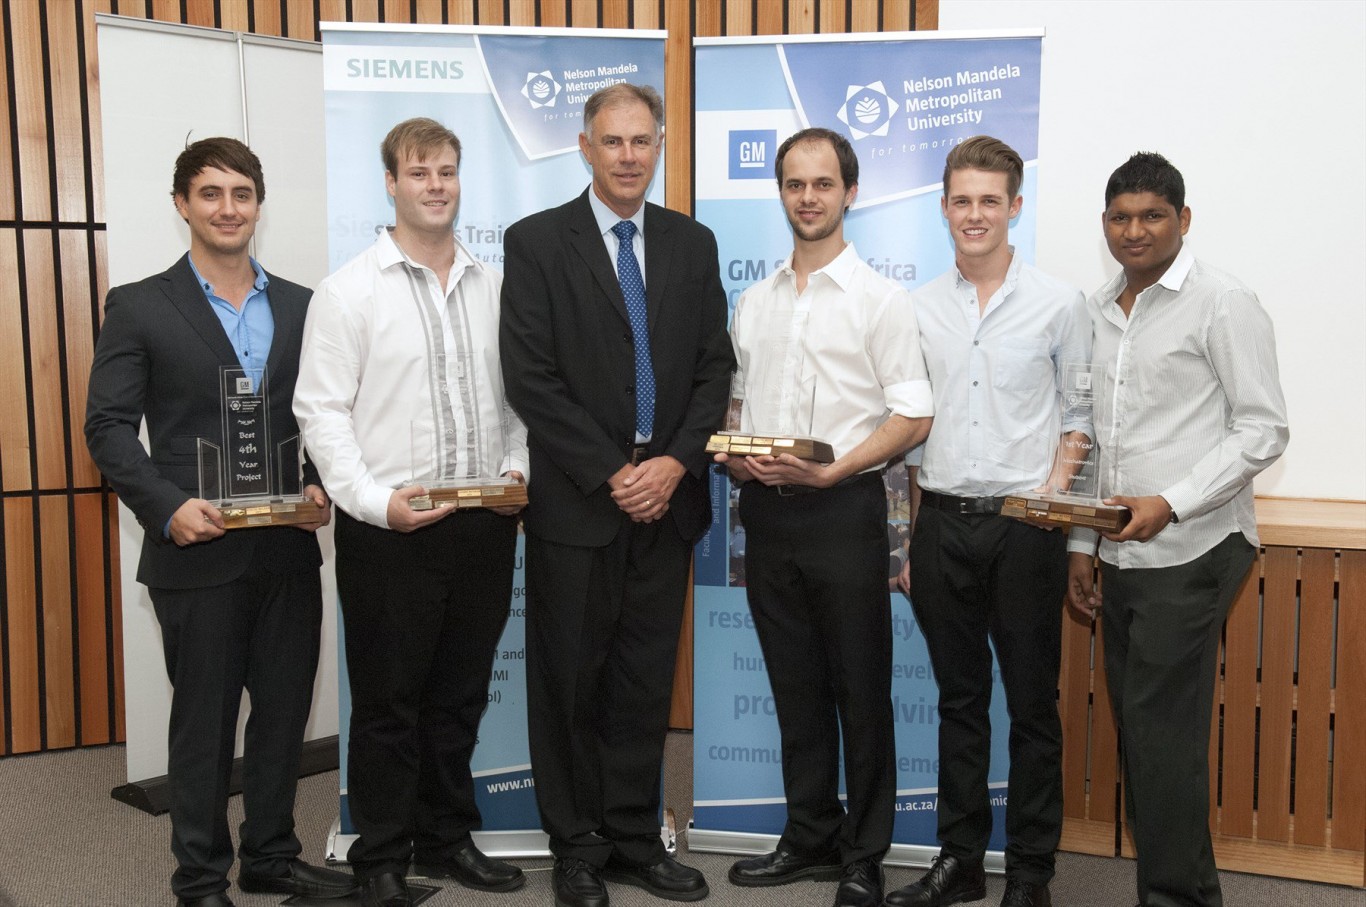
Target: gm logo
<point>751,151</point>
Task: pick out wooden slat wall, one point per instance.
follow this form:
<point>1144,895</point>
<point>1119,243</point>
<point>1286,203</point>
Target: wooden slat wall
<point>60,651</point>
<point>61,677</point>
<point>1289,726</point>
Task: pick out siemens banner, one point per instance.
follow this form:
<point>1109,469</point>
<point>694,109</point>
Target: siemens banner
<point>903,101</point>
<point>515,98</point>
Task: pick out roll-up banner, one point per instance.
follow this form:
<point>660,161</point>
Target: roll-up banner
<point>515,98</point>
<point>903,100</point>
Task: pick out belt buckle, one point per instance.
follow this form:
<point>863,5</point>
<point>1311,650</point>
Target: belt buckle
<point>638,453</point>
<point>966,507</point>
<point>786,491</point>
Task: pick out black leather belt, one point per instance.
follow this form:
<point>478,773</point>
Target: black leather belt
<point>638,454</point>
<point>787,491</point>
<point>952,504</point>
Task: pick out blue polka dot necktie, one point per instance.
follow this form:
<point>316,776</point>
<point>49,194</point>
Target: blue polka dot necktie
<point>633,288</point>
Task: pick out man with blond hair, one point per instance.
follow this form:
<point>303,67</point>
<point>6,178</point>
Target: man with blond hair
<point>402,343</point>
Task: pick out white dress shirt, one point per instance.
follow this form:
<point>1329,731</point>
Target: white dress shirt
<point>997,378</point>
<point>399,379</point>
<point>1191,408</point>
<point>833,362</point>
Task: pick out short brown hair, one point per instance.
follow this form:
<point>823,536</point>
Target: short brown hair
<point>982,152</point>
<point>417,137</point>
<point>221,153</point>
<point>844,152</point>
<point>623,93</point>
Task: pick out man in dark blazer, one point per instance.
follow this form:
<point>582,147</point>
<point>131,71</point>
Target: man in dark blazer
<point>621,374</point>
<point>240,609</point>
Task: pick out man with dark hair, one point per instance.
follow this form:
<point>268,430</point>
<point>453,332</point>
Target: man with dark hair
<point>401,345</point>
<point>815,565</point>
<point>239,609</point>
<point>996,333</point>
<point>615,353</point>
<point>1190,411</point>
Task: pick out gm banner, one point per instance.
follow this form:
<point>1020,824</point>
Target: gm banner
<point>515,98</point>
<point>903,101</point>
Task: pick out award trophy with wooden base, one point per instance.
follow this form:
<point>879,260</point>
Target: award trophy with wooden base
<point>257,483</point>
<point>1071,496</point>
<point>431,470</point>
<point>735,441</point>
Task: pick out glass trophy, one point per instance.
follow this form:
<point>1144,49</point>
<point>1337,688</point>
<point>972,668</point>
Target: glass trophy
<point>741,437</point>
<point>433,468</point>
<point>1071,494</point>
<point>250,481</point>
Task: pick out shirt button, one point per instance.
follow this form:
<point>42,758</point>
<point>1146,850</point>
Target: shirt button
<point>976,343</point>
<point>974,384</point>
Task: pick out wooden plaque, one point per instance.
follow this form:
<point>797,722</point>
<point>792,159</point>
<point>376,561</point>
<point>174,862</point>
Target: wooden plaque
<point>1065,513</point>
<point>472,493</point>
<point>739,444</point>
<point>279,512</point>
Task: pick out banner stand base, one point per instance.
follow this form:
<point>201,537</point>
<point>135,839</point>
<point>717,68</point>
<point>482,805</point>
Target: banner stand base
<point>152,795</point>
<point>743,843</point>
<point>502,845</point>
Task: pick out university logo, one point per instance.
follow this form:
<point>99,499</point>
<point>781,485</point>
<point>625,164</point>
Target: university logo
<point>751,153</point>
<point>541,89</point>
<point>867,110</point>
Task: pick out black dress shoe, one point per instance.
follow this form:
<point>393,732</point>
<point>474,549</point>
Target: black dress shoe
<point>860,884</point>
<point>949,881</point>
<point>472,868</point>
<point>1026,894</point>
<point>388,889</point>
<point>781,867</point>
<point>301,879</point>
<point>667,879</point>
<point>217,899</point>
<point>578,884</point>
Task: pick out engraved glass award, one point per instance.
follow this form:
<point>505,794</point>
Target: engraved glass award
<point>252,481</point>
<point>787,428</point>
<point>1071,493</point>
<point>434,454</point>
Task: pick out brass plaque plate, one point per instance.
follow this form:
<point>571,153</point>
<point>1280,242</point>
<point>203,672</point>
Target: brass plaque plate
<point>730,442</point>
<point>1065,513</point>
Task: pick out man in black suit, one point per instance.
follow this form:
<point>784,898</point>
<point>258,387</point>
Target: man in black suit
<point>237,609</point>
<point>620,375</point>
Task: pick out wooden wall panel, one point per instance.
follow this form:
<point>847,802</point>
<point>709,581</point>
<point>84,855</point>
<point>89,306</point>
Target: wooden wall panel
<point>92,616</point>
<point>7,181</point>
<point>1313,712</point>
<point>15,469</point>
<point>58,665</point>
<point>46,378</point>
<point>1276,687</point>
<point>29,93</point>
<point>1349,739</point>
<point>197,12</point>
<point>21,622</point>
<point>78,344</point>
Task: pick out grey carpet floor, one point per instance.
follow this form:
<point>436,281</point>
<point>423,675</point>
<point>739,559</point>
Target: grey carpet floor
<point>65,843</point>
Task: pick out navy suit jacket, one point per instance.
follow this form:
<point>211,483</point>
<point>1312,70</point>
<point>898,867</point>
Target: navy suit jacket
<point>569,364</point>
<point>158,355</point>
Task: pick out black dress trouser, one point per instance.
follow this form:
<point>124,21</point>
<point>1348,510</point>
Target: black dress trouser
<point>980,577</point>
<point>423,614</point>
<point>816,578</point>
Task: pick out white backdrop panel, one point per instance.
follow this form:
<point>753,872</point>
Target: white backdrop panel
<point>1263,108</point>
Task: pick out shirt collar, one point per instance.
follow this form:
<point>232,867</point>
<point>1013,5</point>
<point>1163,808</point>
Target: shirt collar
<point>389,254</point>
<point>259,284</point>
<point>1172,279</point>
<point>1007,286</point>
<point>840,270</point>
<point>607,218</point>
